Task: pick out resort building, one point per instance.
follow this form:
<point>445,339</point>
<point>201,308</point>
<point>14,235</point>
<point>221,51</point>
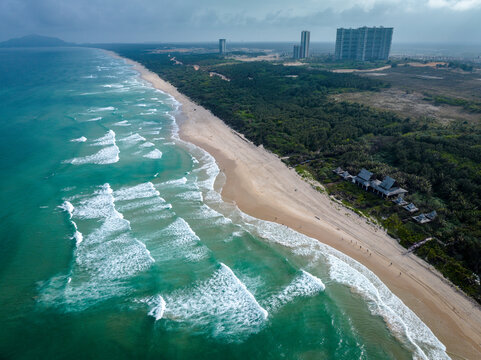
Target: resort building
<point>411,208</point>
<point>344,174</point>
<point>386,188</point>
<point>400,200</point>
<point>363,44</point>
<point>222,49</point>
<point>425,218</point>
<point>363,178</point>
<point>305,41</point>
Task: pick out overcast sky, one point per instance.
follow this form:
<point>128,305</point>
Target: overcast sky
<point>238,20</point>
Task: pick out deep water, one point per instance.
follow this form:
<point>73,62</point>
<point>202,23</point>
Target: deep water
<point>114,243</point>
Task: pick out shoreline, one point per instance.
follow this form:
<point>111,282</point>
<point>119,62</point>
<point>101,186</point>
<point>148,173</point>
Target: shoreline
<point>262,186</point>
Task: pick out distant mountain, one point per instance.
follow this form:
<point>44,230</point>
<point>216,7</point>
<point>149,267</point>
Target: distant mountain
<point>34,41</point>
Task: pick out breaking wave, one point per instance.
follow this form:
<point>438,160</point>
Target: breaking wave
<point>108,155</point>
<point>154,154</point>
<point>222,306</point>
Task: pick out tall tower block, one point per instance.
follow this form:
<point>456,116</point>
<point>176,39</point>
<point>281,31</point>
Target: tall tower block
<point>305,40</point>
<point>222,50</point>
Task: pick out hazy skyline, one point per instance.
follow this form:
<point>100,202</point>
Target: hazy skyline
<point>270,20</point>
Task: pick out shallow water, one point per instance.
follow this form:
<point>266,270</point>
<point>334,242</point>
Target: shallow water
<point>114,243</point>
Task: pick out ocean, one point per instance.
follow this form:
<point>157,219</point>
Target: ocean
<point>116,244</point>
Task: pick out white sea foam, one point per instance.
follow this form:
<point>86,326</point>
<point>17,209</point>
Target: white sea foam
<point>67,206</point>
<point>107,139</point>
<point>180,241</point>
<point>100,109</point>
<point>154,154</point>
<point>115,86</point>
<point>122,123</point>
<point>68,188</point>
<point>158,307</point>
<point>80,139</point>
<point>222,305</point>
<point>141,191</point>
<point>95,118</point>
<point>142,199</point>
<point>175,182</point>
<point>190,196</point>
<point>146,145</point>
<point>209,171</point>
<point>151,205</point>
<point>78,237</point>
<point>133,139</point>
<point>153,132</point>
<point>303,285</point>
<point>209,216</point>
<point>99,205</point>
<point>89,77</point>
<point>107,155</point>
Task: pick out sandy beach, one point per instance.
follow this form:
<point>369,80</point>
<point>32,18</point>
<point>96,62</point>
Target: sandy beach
<point>262,186</point>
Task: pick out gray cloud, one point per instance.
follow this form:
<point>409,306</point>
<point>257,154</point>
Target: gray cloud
<point>249,20</point>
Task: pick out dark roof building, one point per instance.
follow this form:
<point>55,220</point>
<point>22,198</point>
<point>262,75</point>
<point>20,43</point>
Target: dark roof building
<point>432,215</point>
<point>338,171</point>
<point>400,200</point>
<point>386,187</point>
<point>422,219</point>
<point>411,208</point>
<point>425,218</point>
<point>346,176</point>
<point>363,178</point>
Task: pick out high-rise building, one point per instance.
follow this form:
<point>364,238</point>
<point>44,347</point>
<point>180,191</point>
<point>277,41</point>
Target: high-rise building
<point>222,46</point>
<point>363,44</point>
<point>296,52</point>
<point>305,39</point>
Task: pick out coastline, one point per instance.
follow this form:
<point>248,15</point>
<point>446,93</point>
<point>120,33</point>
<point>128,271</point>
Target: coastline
<point>263,187</point>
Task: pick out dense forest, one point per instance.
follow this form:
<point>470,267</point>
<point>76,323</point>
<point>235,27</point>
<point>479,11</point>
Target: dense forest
<point>291,112</point>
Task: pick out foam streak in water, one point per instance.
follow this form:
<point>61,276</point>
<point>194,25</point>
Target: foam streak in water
<point>80,139</point>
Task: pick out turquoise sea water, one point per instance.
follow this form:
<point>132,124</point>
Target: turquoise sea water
<point>114,243</point>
